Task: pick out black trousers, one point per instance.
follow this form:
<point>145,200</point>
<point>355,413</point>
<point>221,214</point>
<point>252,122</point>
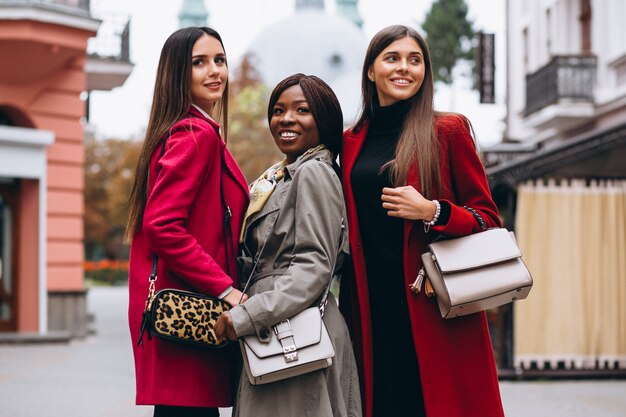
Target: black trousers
<point>397,384</point>
<point>173,411</point>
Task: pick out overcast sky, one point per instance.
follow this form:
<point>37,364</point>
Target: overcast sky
<point>123,112</point>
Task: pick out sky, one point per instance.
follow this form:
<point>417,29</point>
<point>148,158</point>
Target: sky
<point>123,112</point>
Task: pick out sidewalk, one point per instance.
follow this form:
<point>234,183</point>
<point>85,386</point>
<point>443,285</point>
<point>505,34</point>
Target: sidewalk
<point>95,377</point>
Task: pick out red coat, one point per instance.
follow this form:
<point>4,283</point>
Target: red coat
<point>183,225</point>
<point>456,360</point>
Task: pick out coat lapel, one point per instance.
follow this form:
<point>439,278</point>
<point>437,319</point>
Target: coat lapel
<point>229,162</point>
<point>233,169</point>
<point>276,201</point>
<point>272,205</point>
<point>352,144</point>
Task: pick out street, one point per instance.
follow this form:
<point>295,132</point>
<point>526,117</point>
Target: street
<point>95,377</point>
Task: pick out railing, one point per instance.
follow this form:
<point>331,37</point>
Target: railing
<point>112,40</point>
<point>565,77</point>
<point>66,5</point>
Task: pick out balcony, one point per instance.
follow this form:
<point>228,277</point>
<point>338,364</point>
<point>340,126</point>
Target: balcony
<point>78,8</point>
<point>561,94</point>
<point>108,54</point>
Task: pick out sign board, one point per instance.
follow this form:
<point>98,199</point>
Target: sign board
<point>486,68</point>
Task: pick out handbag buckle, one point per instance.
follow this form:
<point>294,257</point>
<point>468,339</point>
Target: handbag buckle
<point>286,322</point>
<point>290,351</point>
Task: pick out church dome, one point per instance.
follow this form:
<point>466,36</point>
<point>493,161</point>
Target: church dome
<point>314,43</point>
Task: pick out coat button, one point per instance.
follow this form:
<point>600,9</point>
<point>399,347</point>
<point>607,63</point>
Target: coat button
<point>264,333</point>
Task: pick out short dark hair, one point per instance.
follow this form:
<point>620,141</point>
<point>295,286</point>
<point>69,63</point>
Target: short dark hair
<point>323,104</point>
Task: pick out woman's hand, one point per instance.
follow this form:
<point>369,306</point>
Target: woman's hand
<point>234,296</point>
<point>407,203</point>
<point>224,328</point>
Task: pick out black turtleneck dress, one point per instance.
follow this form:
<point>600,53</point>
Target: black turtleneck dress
<point>397,386</point>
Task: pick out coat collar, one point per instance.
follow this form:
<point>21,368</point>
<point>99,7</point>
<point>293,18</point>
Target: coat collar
<point>352,144</point>
<point>274,204</point>
<point>322,155</point>
<point>196,112</point>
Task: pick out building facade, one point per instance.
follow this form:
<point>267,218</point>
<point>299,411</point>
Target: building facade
<point>44,78</point>
<point>558,178</point>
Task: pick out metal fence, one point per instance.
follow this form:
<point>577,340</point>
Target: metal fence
<point>81,6</point>
<point>113,38</point>
<point>564,77</point>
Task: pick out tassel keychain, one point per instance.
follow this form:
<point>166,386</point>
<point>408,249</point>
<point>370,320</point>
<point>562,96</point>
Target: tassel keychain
<point>416,287</point>
<point>145,318</point>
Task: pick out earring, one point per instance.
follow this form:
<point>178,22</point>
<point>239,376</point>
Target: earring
<point>372,79</point>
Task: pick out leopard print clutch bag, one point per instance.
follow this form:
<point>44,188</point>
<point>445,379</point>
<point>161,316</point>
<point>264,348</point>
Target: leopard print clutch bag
<point>183,316</point>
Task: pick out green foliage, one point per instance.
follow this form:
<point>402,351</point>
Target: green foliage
<point>449,35</point>
<point>106,277</point>
<point>249,138</point>
<point>109,171</point>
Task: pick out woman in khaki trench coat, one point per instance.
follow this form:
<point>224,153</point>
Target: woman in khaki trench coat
<point>302,223</point>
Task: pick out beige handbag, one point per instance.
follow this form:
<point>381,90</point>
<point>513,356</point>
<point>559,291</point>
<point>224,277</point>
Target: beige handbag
<point>476,272</point>
<point>298,345</point>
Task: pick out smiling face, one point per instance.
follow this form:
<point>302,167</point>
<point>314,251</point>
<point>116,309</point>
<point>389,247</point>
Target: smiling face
<point>398,71</point>
<point>209,72</point>
<point>292,124</point>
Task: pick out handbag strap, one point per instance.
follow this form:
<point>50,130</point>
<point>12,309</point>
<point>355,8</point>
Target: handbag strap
<point>479,219</point>
<point>323,300</point>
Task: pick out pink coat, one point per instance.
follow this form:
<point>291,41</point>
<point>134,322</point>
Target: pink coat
<point>457,367</point>
<point>183,225</point>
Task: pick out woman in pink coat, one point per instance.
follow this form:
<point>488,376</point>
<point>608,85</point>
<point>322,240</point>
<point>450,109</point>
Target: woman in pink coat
<point>176,213</point>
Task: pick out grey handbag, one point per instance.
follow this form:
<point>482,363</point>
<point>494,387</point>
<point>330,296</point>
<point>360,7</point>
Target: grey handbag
<point>299,345</point>
<point>476,272</point>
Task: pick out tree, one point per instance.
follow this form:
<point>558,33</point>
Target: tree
<point>109,168</point>
<point>449,35</point>
<point>249,138</point>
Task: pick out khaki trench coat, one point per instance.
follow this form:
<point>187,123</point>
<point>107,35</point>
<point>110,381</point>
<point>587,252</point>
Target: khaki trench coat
<point>303,222</point>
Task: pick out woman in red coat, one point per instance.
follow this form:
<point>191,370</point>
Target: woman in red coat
<point>176,213</point>
<point>407,173</point>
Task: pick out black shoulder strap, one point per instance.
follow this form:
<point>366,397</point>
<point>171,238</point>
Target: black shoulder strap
<point>479,219</point>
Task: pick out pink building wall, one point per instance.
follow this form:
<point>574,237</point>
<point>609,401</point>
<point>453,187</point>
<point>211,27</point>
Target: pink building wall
<point>43,80</point>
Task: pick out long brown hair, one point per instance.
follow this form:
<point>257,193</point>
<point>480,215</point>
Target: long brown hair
<point>418,141</point>
<point>170,103</point>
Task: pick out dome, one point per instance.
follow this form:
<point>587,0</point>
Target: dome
<point>314,43</point>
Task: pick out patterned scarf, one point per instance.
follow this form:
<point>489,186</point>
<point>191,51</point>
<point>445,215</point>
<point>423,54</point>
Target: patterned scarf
<point>263,187</point>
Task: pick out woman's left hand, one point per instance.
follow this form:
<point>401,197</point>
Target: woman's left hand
<point>224,328</point>
<point>407,203</point>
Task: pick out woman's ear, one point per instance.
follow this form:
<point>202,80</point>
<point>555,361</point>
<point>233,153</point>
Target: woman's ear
<point>370,74</point>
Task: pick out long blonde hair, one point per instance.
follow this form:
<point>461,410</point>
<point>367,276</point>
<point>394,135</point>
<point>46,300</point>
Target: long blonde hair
<point>170,103</point>
<point>418,140</point>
